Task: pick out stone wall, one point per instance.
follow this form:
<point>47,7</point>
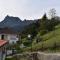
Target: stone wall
<point>38,56</point>
<point>48,56</point>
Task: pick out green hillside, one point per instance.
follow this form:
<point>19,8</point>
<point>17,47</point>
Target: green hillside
<point>50,41</point>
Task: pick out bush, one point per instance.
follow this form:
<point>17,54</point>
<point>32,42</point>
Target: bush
<point>42,32</point>
<point>27,43</point>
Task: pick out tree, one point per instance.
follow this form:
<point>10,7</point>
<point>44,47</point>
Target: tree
<point>43,24</point>
<point>52,13</point>
<point>53,21</point>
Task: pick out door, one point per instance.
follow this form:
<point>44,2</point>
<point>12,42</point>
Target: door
<point>2,37</point>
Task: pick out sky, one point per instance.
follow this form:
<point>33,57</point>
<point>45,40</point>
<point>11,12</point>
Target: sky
<point>27,9</point>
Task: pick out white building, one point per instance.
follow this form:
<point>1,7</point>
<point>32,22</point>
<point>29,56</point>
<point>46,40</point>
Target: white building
<point>3,45</point>
<point>7,34</point>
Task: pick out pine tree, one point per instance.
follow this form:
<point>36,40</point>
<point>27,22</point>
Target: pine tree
<point>43,24</point>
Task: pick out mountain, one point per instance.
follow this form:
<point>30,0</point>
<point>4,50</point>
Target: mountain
<point>15,23</point>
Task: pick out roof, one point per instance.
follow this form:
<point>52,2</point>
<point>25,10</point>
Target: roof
<point>2,42</point>
<point>7,31</point>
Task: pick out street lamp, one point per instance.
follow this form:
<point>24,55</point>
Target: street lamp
<point>29,36</point>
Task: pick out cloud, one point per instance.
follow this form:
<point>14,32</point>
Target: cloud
<point>27,9</point>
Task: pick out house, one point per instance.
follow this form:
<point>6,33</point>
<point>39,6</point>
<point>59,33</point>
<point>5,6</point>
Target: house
<point>3,45</point>
<point>9,35</point>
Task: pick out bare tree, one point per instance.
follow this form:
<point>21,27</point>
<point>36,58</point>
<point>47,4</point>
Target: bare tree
<point>52,13</point>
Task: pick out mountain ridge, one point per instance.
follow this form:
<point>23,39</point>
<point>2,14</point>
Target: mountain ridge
<point>15,23</point>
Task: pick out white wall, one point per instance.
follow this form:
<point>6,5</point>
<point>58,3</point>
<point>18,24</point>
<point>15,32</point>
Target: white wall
<point>0,36</point>
<point>10,37</point>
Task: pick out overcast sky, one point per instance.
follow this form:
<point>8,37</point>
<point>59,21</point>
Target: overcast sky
<point>27,9</point>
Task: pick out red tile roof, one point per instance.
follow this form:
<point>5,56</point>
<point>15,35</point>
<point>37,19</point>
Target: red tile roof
<point>2,42</point>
